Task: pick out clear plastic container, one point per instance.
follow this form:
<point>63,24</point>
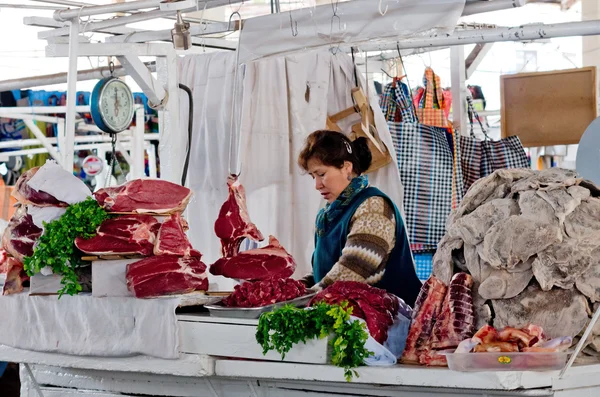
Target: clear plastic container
<point>474,362</point>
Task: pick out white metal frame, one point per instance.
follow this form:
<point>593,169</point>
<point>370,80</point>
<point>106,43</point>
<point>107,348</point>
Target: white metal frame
<point>58,148</point>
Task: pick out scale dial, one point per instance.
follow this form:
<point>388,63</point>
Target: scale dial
<point>112,105</point>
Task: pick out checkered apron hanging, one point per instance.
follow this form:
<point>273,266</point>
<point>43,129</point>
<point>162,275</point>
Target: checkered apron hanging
<point>425,162</point>
<point>431,106</point>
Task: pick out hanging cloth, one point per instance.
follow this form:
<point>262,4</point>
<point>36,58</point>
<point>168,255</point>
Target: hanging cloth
<point>431,106</point>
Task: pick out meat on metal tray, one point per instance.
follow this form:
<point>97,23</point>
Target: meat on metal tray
<point>219,310</point>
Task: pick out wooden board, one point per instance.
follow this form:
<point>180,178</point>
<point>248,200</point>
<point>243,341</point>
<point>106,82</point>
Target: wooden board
<point>93,258</point>
<point>548,108</point>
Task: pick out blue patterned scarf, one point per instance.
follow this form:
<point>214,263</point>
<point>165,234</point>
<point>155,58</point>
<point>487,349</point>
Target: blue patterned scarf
<point>332,211</point>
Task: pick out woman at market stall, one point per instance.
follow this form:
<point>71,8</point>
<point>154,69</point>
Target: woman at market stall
<point>360,233</point>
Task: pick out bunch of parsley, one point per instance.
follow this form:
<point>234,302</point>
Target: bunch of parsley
<point>56,247</point>
<point>282,328</point>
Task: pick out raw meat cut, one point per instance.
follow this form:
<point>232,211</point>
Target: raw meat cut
<point>145,196</point>
<point>496,347</point>
<point>374,305</point>
<point>257,264</point>
<point>166,275</point>
<point>21,235</point>
<point>456,321</point>
<point>16,277</point>
<point>27,195</point>
<point>124,235</point>
<point>171,239</point>
<point>265,292</point>
<point>427,308</point>
<point>233,224</point>
<point>3,261</point>
<point>559,312</point>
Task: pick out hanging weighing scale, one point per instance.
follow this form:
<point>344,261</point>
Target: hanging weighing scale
<point>112,108</point>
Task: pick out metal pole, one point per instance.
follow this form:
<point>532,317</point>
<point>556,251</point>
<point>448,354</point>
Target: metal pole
<point>51,149</point>
<point>65,15</point>
<point>457,67</point>
<point>474,36</point>
<point>137,149</point>
<point>71,95</point>
<point>41,109</point>
<point>61,78</point>
<point>127,6</point>
<point>30,7</point>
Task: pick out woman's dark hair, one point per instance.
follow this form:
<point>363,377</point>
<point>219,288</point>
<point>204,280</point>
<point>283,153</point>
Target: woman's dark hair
<point>333,148</point>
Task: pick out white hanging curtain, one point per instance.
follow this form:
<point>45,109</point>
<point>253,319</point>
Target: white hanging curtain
<point>286,99</point>
<point>283,100</point>
<point>211,78</point>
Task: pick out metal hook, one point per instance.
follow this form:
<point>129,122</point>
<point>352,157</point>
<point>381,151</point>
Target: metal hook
<point>386,8</point>
<point>111,67</point>
<point>293,26</point>
<point>231,17</point>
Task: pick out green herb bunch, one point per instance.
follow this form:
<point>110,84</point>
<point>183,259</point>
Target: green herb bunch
<point>282,328</point>
<point>56,247</point>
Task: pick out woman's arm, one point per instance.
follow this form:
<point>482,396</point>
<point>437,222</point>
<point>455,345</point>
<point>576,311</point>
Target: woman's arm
<point>370,240</point>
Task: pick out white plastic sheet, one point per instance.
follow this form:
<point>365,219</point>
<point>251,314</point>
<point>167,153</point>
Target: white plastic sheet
<point>88,326</point>
<point>54,180</point>
<point>210,77</point>
<point>357,21</point>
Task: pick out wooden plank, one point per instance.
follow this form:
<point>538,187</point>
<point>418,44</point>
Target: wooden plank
<point>239,341</point>
<point>548,108</point>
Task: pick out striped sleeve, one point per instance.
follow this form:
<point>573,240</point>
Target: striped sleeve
<point>371,238</point>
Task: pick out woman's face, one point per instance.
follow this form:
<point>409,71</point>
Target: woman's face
<point>329,181</point>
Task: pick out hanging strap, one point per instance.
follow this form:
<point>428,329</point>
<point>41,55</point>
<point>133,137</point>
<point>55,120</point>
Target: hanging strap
<point>473,114</point>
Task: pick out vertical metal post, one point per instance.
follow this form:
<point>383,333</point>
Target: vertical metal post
<point>61,128</point>
<point>459,100</point>
<point>152,161</point>
<point>71,95</point>
<point>137,146</point>
<point>172,143</point>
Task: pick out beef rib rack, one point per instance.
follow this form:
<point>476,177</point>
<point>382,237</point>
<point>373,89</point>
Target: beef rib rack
<point>257,264</point>
<point>21,234</point>
<point>27,195</point>
<point>124,235</point>
<point>145,196</point>
<point>166,275</point>
<point>233,224</point>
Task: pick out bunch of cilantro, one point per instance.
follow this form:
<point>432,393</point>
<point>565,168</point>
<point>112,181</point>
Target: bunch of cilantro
<point>282,328</point>
<point>56,248</point>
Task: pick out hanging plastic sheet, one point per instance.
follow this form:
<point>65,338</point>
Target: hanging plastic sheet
<point>352,22</point>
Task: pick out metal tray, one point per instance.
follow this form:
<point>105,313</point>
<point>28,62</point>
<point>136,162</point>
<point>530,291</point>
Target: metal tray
<point>218,310</point>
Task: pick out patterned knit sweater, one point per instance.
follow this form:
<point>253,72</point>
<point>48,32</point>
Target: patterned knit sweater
<point>369,243</point>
